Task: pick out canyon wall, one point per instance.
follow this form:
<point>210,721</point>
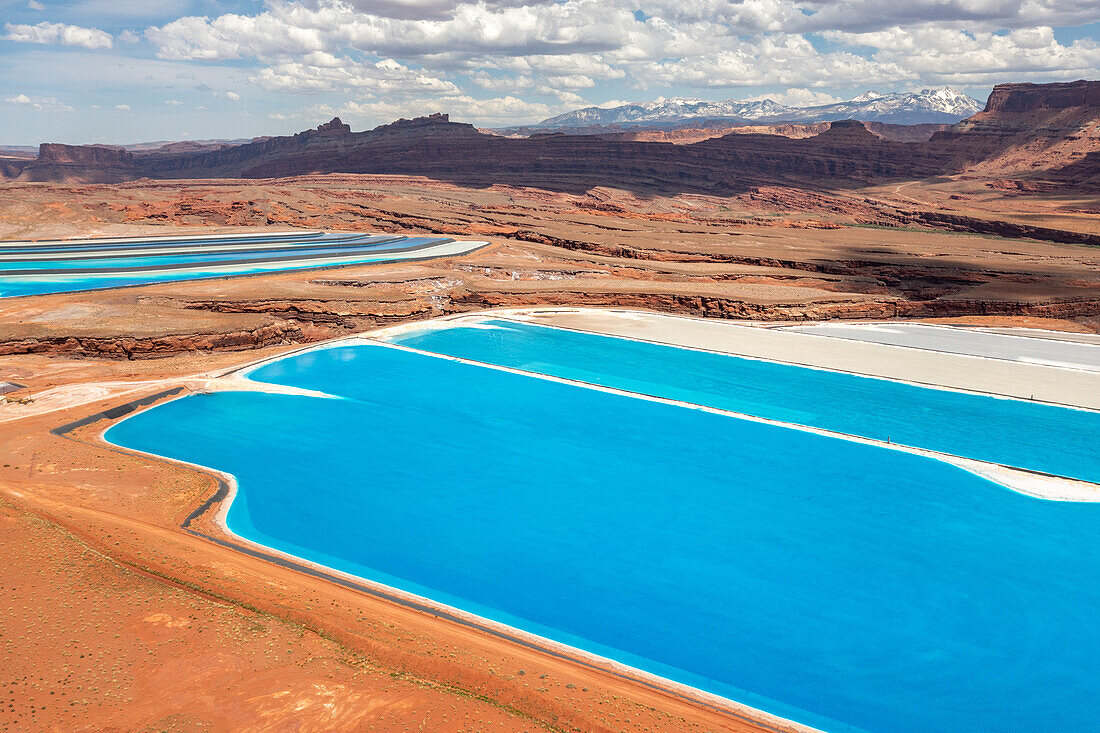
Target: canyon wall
<point>86,163</point>
<point>1024,128</point>
<point>846,152</point>
<point>686,135</point>
<point>1017,98</point>
<point>1028,128</point>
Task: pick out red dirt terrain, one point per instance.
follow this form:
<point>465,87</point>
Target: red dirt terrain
<point>148,653</point>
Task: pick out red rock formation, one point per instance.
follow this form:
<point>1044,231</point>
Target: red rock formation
<point>1017,98</point>
<point>686,135</point>
<point>85,163</point>
<point>1027,128</point>
<point>1083,174</point>
<point>436,118</point>
<point>12,167</point>
<point>333,127</point>
<point>1024,128</point>
<point>83,154</point>
<point>114,347</point>
<point>434,146</point>
<point>905,133</point>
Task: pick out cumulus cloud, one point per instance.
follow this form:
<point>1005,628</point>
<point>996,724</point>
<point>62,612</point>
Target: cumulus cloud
<point>497,110</point>
<point>123,107</point>
<point>747,17</point>
<point>233,36</point>
<point>962,57</point>
<point>430,9</point>
<point>595,66</point>
<point>552,52</point>
<point>798,98</point>
<point>291,28</point>
<point>58,33</point>
<point>783,60</point>
<point>570,81</point>
<point>43,104</point>
<point>535,58</point>
<point>568,46</point>
<point>345,75</point>
<point>509,83</point>
<point>865,15</point>
<point>736,18</point>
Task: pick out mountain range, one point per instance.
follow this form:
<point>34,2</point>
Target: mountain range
<point>945,105</point>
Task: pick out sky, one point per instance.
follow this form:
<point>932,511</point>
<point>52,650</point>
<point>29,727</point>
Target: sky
<point>126,71</point>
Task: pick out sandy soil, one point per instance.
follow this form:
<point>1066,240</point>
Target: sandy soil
<point>146,653</point>
<point>181,633</point>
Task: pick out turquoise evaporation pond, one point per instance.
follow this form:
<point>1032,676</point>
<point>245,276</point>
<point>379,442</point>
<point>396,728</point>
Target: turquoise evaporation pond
<point>1029,435</point>
<point>193,266</point>
<point>841,584</point>
<point>93,244</point>
<point>198,258</point>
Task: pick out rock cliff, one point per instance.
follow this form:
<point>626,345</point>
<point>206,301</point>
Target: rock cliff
<point>1028,128</point>
<point>433,146</point>
<point>1018,98</point>
<point>12,167</point>
<point>84,155</point>
<point>85,163</point>
<point>1024,129</point>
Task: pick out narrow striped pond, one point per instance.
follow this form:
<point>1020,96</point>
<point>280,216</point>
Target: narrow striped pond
<point>31,268</point>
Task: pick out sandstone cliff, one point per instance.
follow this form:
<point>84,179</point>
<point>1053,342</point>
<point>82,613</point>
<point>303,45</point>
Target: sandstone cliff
<point>686,135</point>
<point>1028,128</point>
<point>1025,129</point>
<point>12,167</point>
<point>84,163</point>
<point>845,153</point>
<point>1017,98</point>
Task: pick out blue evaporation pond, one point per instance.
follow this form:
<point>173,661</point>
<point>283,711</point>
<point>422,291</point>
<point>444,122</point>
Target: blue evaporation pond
<point>216,257</point>
<point>840,584</point>
<point>103,272</point>
<point>1034,436</point>
<point>93,244</point>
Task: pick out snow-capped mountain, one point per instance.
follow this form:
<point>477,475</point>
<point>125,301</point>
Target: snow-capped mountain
<point>667,110</point>
<point>928,105</point>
